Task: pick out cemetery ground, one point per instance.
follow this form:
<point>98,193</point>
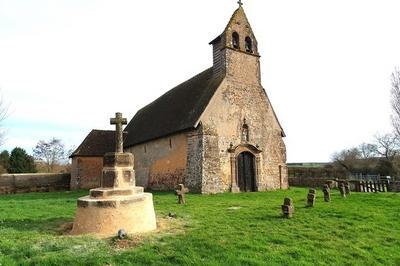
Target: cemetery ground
<point>223,229</point>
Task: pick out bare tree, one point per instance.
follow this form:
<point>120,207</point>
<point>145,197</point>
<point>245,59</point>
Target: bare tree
<point>387,146</point>
<point>3,116</point>
<point>367,150</point>
<point>395,99</point>
<point>51,152</point>
<point>346,159</point>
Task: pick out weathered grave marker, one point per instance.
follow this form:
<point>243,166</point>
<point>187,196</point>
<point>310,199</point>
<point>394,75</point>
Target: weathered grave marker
<point>311,197</point>
<point>180,192</point>
<point>287,208</point>
<point>347,188</point>
<point>342,189</point>
<point>327,193</point>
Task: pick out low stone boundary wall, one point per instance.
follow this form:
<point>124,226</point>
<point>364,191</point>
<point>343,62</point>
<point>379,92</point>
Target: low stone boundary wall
<point>395,186</point>
<point>23,183</point>
<point>311,182</point>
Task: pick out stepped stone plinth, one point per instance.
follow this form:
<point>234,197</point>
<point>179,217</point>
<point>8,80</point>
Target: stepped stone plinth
<point>118,203</point>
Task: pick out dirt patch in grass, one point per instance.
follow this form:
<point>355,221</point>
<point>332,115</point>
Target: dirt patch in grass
<point>166,226</point>
<point>65,228</point>
<point>127,243</point>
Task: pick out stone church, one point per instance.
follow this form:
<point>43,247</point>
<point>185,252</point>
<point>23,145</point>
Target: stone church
<point>215,132</point>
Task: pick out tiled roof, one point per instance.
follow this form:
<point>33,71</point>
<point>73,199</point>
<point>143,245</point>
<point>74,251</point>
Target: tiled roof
<point>177,110</point>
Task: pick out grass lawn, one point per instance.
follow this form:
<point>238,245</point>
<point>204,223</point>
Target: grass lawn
<point>363,229</point>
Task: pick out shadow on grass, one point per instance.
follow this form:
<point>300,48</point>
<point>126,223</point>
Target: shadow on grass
<point>269,217</point>
<point>54,226</point>
<point>72,195</point>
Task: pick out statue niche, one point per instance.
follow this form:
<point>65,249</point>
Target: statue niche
<point>245,132</point>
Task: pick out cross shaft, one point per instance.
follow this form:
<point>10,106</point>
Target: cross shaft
<point>118,121</point>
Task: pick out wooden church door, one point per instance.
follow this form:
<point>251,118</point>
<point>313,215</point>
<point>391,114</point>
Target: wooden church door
<point>246,172</point>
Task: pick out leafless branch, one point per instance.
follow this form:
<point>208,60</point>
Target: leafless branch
<point>395,100</point>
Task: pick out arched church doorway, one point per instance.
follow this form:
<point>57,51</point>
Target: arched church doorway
<point>246,172</point>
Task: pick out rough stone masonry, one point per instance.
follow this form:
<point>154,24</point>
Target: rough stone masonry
<point>117,204</point>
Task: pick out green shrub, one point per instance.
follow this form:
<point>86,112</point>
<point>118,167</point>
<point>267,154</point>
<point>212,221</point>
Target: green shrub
<point>21,162</point>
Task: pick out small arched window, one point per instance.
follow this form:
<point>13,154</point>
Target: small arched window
<point>235,40</point>
<point>249,44</point>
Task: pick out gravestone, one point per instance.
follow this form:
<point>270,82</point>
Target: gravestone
<point>342,189</point>
<point>327,193</point>
<point>118,203</point>
<point>180,192</point>
<point>287,208</point>
<point>347,188</point>
<point>330,183</point>
<point>311,197</point>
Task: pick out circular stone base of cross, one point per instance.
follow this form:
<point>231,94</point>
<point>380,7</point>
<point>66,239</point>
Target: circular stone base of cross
<point>105,216</point>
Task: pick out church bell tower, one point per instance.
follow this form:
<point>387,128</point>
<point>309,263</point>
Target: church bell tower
<point>235,51</point>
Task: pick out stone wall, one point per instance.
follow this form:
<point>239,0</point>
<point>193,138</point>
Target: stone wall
<point>22,183</point>
<point>211,178</point>
<point>86,172</point>
<point>395,186</point>
<point>195,157</point>
<point>161,164</point>
<point>310,182</point>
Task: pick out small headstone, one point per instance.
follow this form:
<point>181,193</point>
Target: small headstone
<point>121,234</point>
<point>287,208</point>
<point>311,197</point>
<point>327,193</point>
<point>347,188</point>
<point>180,192</point>
<point>342,189</point>
<point>330,183</point>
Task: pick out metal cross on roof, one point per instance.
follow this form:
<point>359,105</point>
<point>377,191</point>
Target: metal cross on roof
<point>240,2</point>
<point>118,121</point>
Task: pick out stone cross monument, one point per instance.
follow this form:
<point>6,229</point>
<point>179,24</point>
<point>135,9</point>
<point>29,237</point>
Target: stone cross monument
<point>118,203</point>
<point>118,121</point>
<point>181,193</point>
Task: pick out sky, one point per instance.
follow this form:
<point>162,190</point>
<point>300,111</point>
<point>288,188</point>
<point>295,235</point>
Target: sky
<point>66,66</point>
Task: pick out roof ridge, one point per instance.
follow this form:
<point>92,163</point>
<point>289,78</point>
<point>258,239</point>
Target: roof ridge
<point>175,87</point>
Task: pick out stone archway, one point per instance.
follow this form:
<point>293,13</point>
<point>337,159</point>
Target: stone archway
<point>250,168</point>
